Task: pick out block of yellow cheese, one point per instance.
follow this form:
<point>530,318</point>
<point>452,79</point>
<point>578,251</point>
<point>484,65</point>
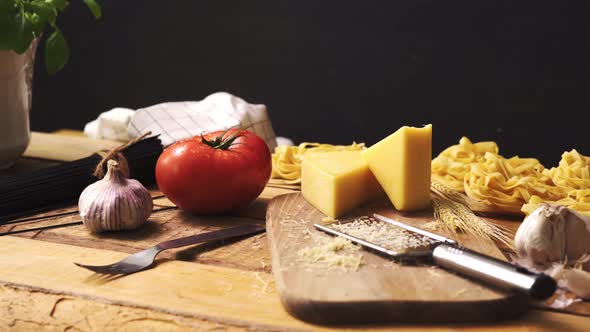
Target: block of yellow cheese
<point>401,164</point>
<point>337,182</point>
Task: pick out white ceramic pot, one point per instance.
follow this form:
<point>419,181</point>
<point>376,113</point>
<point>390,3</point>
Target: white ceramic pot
<point>16,83</point>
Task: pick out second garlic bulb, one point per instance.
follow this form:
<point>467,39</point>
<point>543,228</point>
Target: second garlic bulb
<point>552,234</point>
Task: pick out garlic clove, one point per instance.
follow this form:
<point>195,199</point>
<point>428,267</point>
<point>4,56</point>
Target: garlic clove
<point>577,281</point>
<point>115,202</point>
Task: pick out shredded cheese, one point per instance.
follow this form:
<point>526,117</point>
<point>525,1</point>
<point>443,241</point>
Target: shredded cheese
<point>339,252</point>
<point>434,271</point>
<point>329,255</point>
<point>383,234</point>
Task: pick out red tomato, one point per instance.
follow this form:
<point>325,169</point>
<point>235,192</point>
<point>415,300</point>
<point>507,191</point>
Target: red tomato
<point>218,172</point>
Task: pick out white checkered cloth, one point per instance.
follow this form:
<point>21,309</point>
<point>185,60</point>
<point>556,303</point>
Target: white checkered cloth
<point>175,121</point>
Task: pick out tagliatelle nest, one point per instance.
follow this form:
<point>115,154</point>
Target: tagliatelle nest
<point>572,179</point>
<point>286,160</point>
<point>451,165</point>
<point>507,184</point>
<point>573,172</point>
<point>512,185</point>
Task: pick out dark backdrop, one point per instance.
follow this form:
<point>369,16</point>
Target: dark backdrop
<point>337,71</point>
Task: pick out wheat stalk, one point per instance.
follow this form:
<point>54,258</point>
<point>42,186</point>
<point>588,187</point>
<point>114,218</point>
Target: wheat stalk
<point>446,192</point>
<point>451,210</point>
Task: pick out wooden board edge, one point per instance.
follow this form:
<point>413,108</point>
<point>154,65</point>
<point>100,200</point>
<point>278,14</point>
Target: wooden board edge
<point>330,312</point>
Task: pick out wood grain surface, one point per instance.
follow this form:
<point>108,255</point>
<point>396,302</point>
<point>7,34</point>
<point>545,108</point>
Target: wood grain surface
<point>40,289</point>
<point>166,223</point>
<point>187,289</point>
<point>33,296</point>
<point>378,291</point>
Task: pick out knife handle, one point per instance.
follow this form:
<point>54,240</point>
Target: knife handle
<point>493,271</point>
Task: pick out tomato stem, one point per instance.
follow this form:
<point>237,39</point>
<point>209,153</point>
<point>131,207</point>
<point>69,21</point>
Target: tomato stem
<point>219,142</point>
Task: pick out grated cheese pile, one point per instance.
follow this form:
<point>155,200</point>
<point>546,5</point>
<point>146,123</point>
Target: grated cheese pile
<point>332,253</point>
<point>338,252</point>
<point>383,234</point>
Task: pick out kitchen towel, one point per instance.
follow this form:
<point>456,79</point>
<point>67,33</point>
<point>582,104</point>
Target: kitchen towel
<point>175,121</point>
<point>111,125</point>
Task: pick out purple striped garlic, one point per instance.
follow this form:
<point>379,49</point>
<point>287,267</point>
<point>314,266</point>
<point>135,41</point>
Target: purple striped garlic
<point>114,202</point>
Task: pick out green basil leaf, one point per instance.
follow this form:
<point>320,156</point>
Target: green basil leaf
<point>94,8</point>
<point>59,4</point>
<point>57,52</point>
<point>8,12</point>
<point>23,32</point>
<point>37,24</point>
<point>46,12</point>
<point>16,31</point>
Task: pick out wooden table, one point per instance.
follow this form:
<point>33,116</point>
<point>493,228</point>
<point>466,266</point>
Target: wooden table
<point>225,286</point>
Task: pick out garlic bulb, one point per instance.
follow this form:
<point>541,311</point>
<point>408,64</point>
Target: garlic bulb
<point>114,202</point>
<point>553,233</point>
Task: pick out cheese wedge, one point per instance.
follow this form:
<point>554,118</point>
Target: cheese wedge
<point>337,182</point>
<point>401,164</point>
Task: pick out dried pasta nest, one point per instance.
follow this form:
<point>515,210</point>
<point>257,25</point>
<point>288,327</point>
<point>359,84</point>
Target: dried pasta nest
<point>513,185</point>
<point>573,172</point>
<point>572,179</point>
<point>507,184</point>
<point>451,165</point>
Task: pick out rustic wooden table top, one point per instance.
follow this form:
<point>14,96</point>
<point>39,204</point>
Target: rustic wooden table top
<point>225,286</point>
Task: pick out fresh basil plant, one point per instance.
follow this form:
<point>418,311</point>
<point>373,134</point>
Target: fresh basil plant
<point>21,21</point>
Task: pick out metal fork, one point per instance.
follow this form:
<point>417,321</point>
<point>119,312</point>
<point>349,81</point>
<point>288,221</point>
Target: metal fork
<point>144,259</point>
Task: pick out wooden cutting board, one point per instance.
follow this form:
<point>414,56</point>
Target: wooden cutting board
<point>379,290</point>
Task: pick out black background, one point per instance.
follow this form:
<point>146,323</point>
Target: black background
<point>338,71</point>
